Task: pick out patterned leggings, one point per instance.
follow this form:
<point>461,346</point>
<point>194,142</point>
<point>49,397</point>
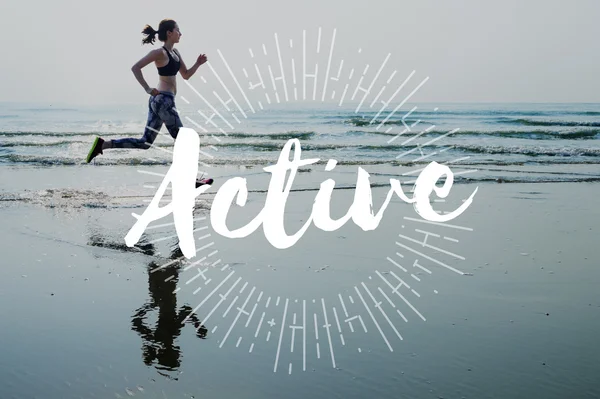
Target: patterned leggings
<point>161,109</point>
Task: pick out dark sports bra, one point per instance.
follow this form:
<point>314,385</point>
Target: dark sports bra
<point>171,68</point>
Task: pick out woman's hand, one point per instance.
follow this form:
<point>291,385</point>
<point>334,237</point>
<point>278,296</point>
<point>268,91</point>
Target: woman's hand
<point>201,59</point>
<point>152,91</point>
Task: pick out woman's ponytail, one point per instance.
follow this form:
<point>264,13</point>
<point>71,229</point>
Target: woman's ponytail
<point>150,35</point>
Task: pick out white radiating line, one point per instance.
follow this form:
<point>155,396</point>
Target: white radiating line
<point>209,104</point>
<point>304,64</point>
<point>223,298</point>
<point>167,264</point>
<point>432,247</point>
<point>209,295</point>
<point>294,73</point>
<point>408,140</point>
<point>327,326</point>
<point>450,239</point>
<point>303,335</point>
<point>281,66</point>
<point>212,253</point>
<point>199,126</point>
<point>343,95</point>
<point>386,297</point>
<point>337,320</point>
<point>281,334</point>
<point>156,226</point>
<point>337,78</point>
<point>432,154</point>
<point>400,279</point>
<point>401,315</point>
<point>431,259</point>
<point>231,305</point>
<point>401,296</point>
<point>315,82</point>
<point>240,311</point>
<point>373,318</point>
<point>372,82</point>
<point>251,314</point>
<point>205,246</point>
<point>386,103</point>
<point>391,77</point>
<point>427,143</point>
<point>200,273</point>
<point>377,97</point>
<point>378,305</point>
<point>272,79</point>
<point>328,65</point>
<point>346,312</point>
<point>319,41</point>
<point>396,264</point>
<point>244,287</point>
<point>438,224</point>
<point>236,81</point>
<point>175,235</point>
<point>262,82</point>
<point>402,103</point>
<point>293,333</point>
<point>457,160</point>
<point>416,264</point>
<point>221,100</point>
<point>259,325</point>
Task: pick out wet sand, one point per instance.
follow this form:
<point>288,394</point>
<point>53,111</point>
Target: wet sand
<point>84,316</point>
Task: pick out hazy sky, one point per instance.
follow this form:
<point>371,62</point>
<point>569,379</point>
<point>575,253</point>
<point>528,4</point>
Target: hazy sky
<point>81,52</point>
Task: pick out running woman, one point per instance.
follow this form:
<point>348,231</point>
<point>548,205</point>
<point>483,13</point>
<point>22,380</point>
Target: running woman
<point>161,105</point>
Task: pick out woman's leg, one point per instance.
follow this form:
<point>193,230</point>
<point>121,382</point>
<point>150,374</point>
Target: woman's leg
<point>165,108</point>
<point>153,126</point>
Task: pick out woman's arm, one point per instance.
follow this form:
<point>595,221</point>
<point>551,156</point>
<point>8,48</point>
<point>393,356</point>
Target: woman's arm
<point>137,69</point>
<point>188,73</point>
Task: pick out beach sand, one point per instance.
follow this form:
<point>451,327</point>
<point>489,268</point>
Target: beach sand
<point>517,317</point>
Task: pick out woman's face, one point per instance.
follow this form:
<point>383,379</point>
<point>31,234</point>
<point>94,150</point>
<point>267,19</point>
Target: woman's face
<point>175,34</point>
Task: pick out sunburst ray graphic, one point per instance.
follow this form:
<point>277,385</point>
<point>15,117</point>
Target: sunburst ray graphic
<point>305,69</point>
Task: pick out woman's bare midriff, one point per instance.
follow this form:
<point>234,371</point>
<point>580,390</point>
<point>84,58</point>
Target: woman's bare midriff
<point>167,83</point>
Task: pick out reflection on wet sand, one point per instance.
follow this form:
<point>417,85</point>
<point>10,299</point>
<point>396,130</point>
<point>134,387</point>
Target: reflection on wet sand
<point>159,341</point>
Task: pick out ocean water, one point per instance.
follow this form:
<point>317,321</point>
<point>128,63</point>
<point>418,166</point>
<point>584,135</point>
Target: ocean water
<point>85,316</point>
<point>512,142</point>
